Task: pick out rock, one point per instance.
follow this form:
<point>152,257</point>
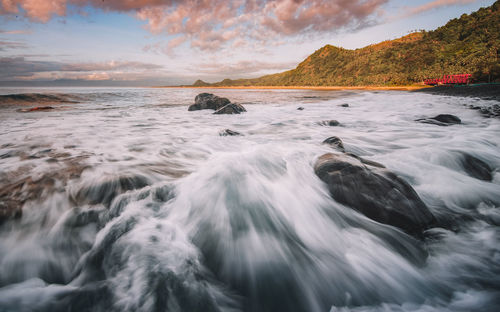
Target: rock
<point>300,108</point>
<point>366,161</point>
<point>229,132</point>
<point>476,168</point>
<point>20,186</point>
<point>441,120</point>
<point>10,209</point>
<point>377,193</point>
<point>447,118</point>
<point>231,108</point>
<point>331,123</point>
<point>208,101</point>
<point>490,111</point>
<point>335,142</point>
<point>103,190</point>
<point>344,105</point>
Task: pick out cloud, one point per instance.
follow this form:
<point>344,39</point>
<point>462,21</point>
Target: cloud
<point>437,4</point>
<point>23,68</point>
<point>15,67</point>
<point>39,10</point>
<point>242,68</point>
<point>209,24</point>
<point>15,32</point>
<point>10,45</point>
<point>112,65</point>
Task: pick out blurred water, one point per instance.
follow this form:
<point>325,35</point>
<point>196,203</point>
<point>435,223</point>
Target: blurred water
<point>135,204</point>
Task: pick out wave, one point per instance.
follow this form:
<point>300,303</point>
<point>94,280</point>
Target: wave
<point>38,98</point>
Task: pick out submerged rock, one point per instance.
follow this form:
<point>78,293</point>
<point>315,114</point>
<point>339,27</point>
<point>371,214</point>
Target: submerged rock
<point>335,142</point>
<point>104,190</point>
<point>208,101</point>
<point>21,186</point>
<point>229,132</point>
<point>331,123</point>
<point>231,108</point>
<point>377,193</point>
<point>476,167</point>
<point>366,161</point>
<point>490,111</point>
<point>441,120</point>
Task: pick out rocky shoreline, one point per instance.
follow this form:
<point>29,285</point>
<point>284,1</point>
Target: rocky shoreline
<point>482,91</point>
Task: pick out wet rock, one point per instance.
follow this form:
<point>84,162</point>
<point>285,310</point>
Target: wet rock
<point>490,111</point>
<point>335,142</point>
<point>231,108</point>
<point>476,167</point>
<point>377,193</point>
<point>208,101</point>
<point>20,186</point>
<point>105,190</point>
<point>229,132</point>
<point>331,123</point>
<point>441,120</point>
<point>300,108</point>
<point>366,161</point>
<point>344,105</point>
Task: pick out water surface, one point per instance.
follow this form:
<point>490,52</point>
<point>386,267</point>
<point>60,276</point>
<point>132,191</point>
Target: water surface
<point>132,203</point>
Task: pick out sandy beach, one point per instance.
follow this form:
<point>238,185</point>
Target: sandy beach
<point>319,88</point>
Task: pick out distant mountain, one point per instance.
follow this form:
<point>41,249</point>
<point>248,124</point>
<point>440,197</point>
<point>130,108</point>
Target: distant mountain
<point>469,44</point>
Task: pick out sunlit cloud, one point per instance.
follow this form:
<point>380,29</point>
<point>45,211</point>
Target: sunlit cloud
<point>15,32</point>
<point>437,4</point>
<point>210,24</point>
<point>242,68</point>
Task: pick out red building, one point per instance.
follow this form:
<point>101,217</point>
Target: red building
<point>449,79</point>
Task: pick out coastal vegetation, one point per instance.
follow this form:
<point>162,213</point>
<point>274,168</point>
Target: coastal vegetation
<point>469,44</point>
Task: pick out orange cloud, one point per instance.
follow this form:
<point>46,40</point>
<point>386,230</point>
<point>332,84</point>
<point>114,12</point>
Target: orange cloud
<point>436,4</point>
<point>208,24</point>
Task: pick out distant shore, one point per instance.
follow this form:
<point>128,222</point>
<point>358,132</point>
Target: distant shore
<point>330,88</point>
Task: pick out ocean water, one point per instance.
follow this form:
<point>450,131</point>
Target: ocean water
<point>132,203</point>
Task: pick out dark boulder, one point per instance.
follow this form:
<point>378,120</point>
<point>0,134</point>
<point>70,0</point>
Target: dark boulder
<point>344,105</point>
<point>441,120</point>
<point>208,101</point>
<point>231,108</point>
<point>335,142</point>
<point>229,132</point>
<point>476,168</point>
<point>377,193</point>
<point>300,108</point>
<point>447,118</point>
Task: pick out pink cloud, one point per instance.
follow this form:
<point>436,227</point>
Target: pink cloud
<point>209,24</point>
<point>436,4</point>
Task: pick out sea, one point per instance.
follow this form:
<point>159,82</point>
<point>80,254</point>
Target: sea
<point>126,201</point>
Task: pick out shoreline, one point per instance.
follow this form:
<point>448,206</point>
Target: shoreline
<point>318,88</point>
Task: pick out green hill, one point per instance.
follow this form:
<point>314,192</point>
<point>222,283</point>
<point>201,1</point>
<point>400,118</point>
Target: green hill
<point>469,44</point>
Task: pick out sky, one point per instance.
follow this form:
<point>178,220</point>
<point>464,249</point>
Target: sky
<point>173,42</point>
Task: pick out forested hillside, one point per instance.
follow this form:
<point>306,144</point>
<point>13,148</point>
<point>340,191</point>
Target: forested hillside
<point>469,44</point>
